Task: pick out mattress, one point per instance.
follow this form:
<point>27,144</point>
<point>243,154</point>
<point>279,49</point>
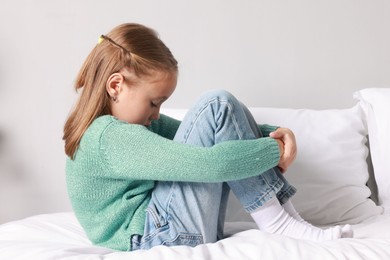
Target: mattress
<point>59,235</point>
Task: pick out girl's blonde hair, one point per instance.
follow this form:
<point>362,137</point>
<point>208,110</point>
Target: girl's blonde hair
<point>128,45</point>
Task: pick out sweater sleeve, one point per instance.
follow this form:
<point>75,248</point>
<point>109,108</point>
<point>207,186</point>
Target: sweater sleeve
<point>266,129</point>
<point>166,126</point>
<point>134,152</point>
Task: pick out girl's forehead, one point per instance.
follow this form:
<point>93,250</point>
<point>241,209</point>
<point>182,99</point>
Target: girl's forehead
<point>159,81</point>
<point>163,85</point>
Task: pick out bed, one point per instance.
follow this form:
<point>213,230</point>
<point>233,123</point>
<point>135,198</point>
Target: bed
<point>342,173</point>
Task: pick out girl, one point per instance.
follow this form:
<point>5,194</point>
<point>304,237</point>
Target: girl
<point>137,179</point>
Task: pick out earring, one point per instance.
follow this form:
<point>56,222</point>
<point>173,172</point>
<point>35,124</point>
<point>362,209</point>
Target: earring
<point>115,99</point>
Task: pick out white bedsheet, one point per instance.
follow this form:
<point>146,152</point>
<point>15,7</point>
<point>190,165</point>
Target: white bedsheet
<point>58,236</point>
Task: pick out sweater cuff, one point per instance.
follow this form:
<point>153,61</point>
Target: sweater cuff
<point>267,129</point>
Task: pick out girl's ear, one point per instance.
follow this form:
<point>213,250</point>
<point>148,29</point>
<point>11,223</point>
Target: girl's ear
<point>114,84</point>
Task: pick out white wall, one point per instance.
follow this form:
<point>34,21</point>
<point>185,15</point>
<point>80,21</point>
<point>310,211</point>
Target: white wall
<point>301,54</point>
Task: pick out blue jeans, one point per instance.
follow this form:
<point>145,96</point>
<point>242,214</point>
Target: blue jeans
<point>184,213</point>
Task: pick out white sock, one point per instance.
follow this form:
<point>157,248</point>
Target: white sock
<point>273,218</point>
<point>289,208</point>
<point>346,231</point>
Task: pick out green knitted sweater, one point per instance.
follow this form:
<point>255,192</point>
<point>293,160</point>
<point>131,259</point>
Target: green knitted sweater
<point>114,170</point>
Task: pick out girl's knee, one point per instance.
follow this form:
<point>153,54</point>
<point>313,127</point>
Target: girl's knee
<point>220,95</point>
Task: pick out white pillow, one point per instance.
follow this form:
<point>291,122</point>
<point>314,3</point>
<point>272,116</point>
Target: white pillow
<point>330,171</point>
<point>376,104</point>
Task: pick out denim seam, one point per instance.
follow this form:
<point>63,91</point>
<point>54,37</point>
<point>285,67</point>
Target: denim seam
<point>258,202</point>
<point>192,237</point>
<point>170,199</point>
<point>234,121</point>
<point>230,109</point>
<point>283,196</point>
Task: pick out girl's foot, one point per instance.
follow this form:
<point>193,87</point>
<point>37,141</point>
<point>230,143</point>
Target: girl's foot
<point>273,218</point>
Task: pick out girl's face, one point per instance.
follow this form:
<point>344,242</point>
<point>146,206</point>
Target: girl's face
<point>140,98</point>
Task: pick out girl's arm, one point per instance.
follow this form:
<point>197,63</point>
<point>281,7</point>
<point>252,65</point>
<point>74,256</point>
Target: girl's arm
<point>134,152</point>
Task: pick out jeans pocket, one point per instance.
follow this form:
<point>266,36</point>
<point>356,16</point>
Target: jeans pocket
<point>155,224</point>
<point>160,230</point>
<point>154,215</point>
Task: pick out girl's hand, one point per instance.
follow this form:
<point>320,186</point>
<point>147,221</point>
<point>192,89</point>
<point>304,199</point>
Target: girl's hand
<point>286,138</point>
